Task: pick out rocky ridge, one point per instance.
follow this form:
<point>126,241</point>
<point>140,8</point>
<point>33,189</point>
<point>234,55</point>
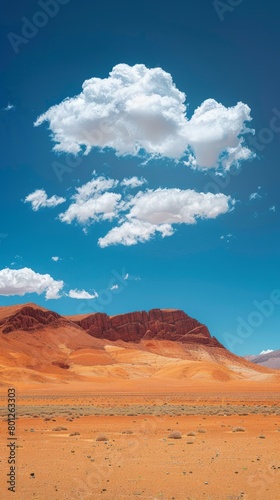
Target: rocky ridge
<point>159,324</point>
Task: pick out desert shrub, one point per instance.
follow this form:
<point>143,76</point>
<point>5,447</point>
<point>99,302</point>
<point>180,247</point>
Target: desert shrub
<point>74,434</point>
<point>238,429</point>
<point>101,437</point>
<point>175,435</point>
<point>60,428</point>
<point>191,434</point>
<point>201,431</point>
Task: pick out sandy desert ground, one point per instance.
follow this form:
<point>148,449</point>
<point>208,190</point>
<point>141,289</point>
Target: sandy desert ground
<point>228,450</point>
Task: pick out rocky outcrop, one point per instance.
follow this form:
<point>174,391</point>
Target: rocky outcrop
<point>159,324</point>
<point>174,325</point>
<point>29,318</point>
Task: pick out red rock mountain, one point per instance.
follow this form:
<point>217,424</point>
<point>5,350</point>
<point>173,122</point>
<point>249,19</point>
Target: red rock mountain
<point>28,318</point>
<point>167,324</point>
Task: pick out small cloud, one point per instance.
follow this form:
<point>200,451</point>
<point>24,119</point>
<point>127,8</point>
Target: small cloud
<point>17,259</point>
<point>82,294</point>
<point>114,287</point>
<point>191,162</point>
<point>133,182</point>
<point>267,351</point>
<point>56,259</point>
<point>227,237</point>
<point>39,199</point>
<point>128,276</point>
<point>272,208</point>
<point>93,202</point>
<point>8,107</point>
<point>254,196</point>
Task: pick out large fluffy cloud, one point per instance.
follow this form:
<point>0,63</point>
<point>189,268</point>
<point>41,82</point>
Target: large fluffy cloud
<point>25,280</point>
<point>140,108</point>
<point>39,199</point>
<point>157,211</point>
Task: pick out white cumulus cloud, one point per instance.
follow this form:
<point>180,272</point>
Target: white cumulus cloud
<point>82,294</point>
<point>155,211</point>
<point>130,233</point>
<point>91,203</point>
<point>25,280</point>
<point>56,259</point>
<point>137,108</point>
<point>176,206</point>
<point>214,132</point>
<point>39,199</point>
<point>133,182</point>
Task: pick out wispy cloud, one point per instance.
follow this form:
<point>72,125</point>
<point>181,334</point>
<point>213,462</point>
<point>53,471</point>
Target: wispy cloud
<point>9,107</point>
<point>114,287</point>
<point>130,277</point>
<point>254,196</point>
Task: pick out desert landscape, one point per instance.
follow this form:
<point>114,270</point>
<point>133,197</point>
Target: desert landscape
<point>142,405</point>
<point>139,250</point>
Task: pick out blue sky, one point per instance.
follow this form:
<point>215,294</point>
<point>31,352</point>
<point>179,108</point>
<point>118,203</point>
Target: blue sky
<point>121,244</point>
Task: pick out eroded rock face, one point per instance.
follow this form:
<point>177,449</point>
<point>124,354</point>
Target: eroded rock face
<point>174,325</point>
<point>155,324</point>
<point>29,318</point>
